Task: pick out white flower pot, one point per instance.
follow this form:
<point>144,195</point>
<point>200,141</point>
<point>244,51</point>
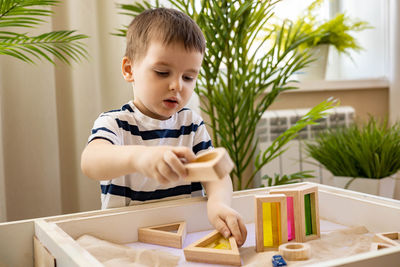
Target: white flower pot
<point>381,187</point>
<point>316,70</point>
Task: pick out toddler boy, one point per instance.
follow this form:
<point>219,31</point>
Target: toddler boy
<point>137,152</point>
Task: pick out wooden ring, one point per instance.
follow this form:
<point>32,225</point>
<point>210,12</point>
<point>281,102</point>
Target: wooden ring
<point>295,251</point>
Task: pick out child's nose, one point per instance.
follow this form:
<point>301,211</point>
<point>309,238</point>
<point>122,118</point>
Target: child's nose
<point>176,84</point>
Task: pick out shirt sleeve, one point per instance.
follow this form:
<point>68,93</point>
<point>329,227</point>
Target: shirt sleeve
<point>105,127</point>
<point>202,140</point>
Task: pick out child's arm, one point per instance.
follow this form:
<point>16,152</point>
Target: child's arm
<point>102,160</point>
<point>225,219</point>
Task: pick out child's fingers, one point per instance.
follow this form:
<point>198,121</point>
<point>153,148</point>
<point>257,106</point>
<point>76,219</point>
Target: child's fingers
<point>175,164</point>
<point>160,178</point>
<point>167,172</point>
<point>221,227</point>
<point>243,230</point>
<point>184,152</point>
<point>235,229</point>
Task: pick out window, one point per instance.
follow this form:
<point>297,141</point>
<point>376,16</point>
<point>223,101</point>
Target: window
<point>373,61</point>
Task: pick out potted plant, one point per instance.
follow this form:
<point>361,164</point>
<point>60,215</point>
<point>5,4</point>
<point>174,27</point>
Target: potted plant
<point>362,157</point>
<point>243,73</point>
<point>337,32</point>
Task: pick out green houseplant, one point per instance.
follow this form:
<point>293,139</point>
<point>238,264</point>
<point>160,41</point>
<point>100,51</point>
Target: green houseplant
<point>242,75</point>
<point>337,32</point>
<point>370,150</point>
<point>64,45</point>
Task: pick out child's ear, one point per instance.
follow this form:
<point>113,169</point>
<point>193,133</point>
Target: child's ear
<point>127,69</point>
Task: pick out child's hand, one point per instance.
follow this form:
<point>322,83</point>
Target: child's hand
<point>227,221</point>
<point>164,163</point>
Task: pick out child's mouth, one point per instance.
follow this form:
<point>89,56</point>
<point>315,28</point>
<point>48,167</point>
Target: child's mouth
<point>170,103</point>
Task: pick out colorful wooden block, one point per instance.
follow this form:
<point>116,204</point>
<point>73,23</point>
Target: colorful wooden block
<point>169,235</point>
<point>391,238</point>
<point>309,211</point>
<point>302,212</point>
<point>209,166</point>
<point>215,249</point>
<point>293,212</point>
<point>270,222</point>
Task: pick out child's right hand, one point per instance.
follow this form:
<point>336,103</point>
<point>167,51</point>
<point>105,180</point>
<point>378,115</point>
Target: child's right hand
<point>164,163</point>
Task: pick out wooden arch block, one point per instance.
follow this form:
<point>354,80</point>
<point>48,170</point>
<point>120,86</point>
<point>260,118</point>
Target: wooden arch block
<point>199,252</point>
<point>209,166</point>
<point>169,235</point>
<point>270,222</point>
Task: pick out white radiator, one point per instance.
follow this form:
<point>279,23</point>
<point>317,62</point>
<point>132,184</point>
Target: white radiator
<point>295,159</point>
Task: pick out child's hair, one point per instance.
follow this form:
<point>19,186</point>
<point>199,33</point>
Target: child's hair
<point>163,24</point>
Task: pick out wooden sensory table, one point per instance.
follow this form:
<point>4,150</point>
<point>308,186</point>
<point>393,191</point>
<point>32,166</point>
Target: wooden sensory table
<point>57,234</point>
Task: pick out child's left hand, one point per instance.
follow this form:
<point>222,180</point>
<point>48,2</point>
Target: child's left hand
<point>227,221</point>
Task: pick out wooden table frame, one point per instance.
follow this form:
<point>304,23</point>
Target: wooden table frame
<point>58,234</point>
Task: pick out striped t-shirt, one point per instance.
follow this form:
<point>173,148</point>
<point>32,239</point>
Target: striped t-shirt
<point>128,126</point>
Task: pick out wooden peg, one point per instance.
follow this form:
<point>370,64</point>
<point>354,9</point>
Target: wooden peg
<point>209,166</point>
<point>200,251</point>
<point>169,235</point>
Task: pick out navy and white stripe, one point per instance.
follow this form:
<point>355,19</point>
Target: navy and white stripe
<point>128,126</point>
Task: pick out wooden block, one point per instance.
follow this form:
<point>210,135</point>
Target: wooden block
<point>391,238</point>
<point>42,256</point>
<point>199,252</point>
<point>294,223</point>
<point>297,212</point>
<point>295,251</point>
<point>169,235</point>
<point>270,221</point>
<point>311,192</point>
<point>209,166</point>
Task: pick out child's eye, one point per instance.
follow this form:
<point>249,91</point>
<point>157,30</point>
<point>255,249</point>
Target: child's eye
<point>188,78</point>
<point>161,73</point>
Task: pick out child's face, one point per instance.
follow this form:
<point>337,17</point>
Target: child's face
<point>164,79</point>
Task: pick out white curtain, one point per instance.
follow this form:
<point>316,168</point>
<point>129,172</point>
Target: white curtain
<point>47,112</point>
<point>395,60</point>
<point>394,77</point>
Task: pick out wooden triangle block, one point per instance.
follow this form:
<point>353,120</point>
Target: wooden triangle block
<point>212,165</point>
<point>169,235</point>
<point>199,252</point>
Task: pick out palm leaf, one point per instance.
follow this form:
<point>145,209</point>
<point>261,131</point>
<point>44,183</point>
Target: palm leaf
<point>63,45</point>
<point>19,13</point>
